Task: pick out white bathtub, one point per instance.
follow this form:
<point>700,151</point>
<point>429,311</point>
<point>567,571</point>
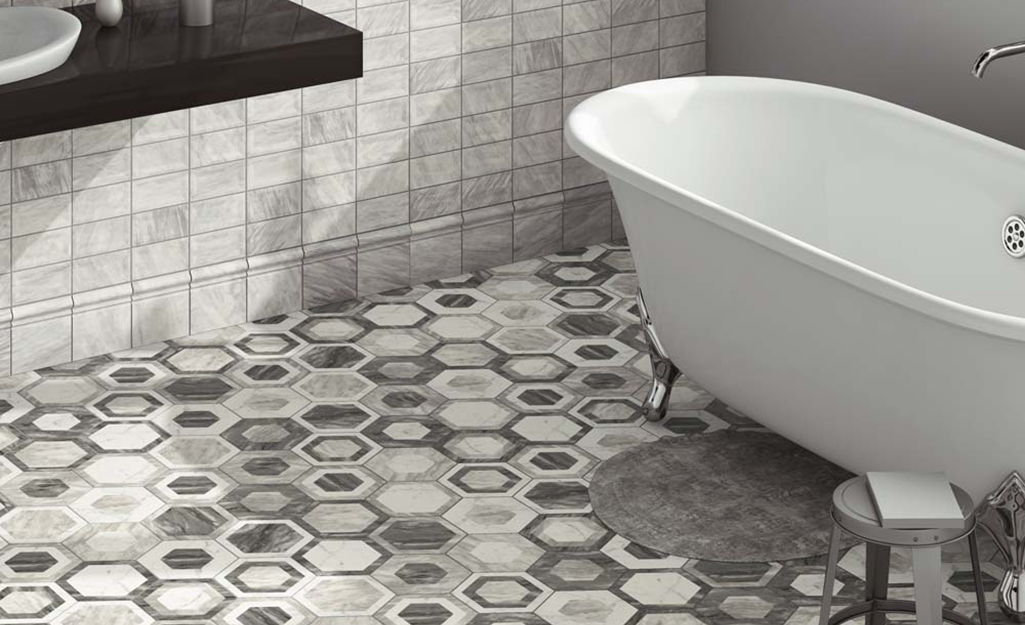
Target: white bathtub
<point>829,264</point>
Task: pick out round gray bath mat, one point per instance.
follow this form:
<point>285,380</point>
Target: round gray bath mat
<point>730,496</point>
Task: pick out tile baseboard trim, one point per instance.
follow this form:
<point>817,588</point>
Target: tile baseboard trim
<point>175,305</point>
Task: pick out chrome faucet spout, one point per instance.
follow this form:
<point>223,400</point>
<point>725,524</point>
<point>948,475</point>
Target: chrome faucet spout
<point>993,54</point>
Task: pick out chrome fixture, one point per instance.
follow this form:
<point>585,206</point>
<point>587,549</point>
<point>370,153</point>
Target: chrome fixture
<point>993,54</point>
<point>663,371</point>
<point>1002,515</point>
<point>1012,235</point>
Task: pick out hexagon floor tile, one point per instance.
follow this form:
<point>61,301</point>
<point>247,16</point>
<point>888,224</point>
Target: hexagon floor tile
<point>419,457</point>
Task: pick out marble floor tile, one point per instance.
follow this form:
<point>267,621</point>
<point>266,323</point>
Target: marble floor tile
<point>415,457</point>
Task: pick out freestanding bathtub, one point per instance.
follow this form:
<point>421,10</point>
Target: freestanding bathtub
<point>828,263</point>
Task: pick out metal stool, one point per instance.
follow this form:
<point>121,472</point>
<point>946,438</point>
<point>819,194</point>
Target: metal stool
<point>854,513</point>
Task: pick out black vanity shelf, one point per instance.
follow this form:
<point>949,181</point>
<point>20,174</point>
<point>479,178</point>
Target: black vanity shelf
<point>149,64</point>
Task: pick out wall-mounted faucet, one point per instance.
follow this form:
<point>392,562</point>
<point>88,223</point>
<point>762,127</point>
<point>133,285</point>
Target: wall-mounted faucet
<point>993,54</point>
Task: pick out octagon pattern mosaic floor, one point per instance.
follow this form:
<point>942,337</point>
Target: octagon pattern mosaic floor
<point>416,458</point>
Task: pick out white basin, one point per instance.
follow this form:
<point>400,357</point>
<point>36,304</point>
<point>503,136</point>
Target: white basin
<point>34,40</point>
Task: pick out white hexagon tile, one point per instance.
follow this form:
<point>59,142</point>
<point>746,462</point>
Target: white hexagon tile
<point>419,457</point>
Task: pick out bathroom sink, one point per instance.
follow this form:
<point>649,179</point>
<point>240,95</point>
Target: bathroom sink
<point>34,40</point>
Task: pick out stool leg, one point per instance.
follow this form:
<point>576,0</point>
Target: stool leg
<point>928,585</point>
<point>980,592</point>
<point>827,583</point>
<point>877,579</point>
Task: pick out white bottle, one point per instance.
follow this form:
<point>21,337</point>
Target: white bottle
<point>108,12</point>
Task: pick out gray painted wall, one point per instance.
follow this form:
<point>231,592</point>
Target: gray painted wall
<point>913,52</point>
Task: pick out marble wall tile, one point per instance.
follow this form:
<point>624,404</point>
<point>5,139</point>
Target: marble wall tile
<point>97,237</point>
<point>682,29</point>
<point>636,68</point>
<point>153,159</point>
<point>682,60</point>
<point>274,284</point>
<point>328,223</point>
<point>531,181</point>
<point>102,270</point>
<point>383,260</point>
<point>160,308</point>
<point>43,248</point>
<point>259,206</point>
<point>487,237</point>
<point>483,9</point>
<point>218,146</point>
<point>273,106</point>
<point>217,116</point>
<point>102,321</point>
<point>537,56</point>
<point>217,213</point>
<point>273,169</point>
<point>382,212</point>
<point>537,232</point>
<point>174,188</point>
<point>597,44</point>
<point>487,190</point>
<point>587,223</point>
<point>160,225</point>
<point>217,246</point>
<point>435,201</point>
<point>101,203</point>
<point>669,8</point>
<point>434,138</point>
<point>47,213</point>
<point>435,74</point>
<point>330,190</point>
<point>329,272</point>
<point>328,158</point>
<point>488,33</point>
<point>328,126</point>
<point>41,149</point>
<point>274,234</point>
<point>158,259</point>
<point>41,335</point>
<point>36,181</point>
<point>434,170</point>
<point>40,283</point>
<point>540,24</point>
<point>431,13</point>
<point>435,249</point>
<point>218,296</point>
<point>328,96</point>
<point>273,202</point>
<point>101,138</point>
<point>160,127</point>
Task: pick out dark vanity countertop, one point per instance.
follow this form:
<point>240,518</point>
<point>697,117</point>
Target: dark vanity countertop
<point>149,64</point>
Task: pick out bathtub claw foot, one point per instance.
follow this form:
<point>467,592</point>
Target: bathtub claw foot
<point>1002,515</point>
<point>664,372</point>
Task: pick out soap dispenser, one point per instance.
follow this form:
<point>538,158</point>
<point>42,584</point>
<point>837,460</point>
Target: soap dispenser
<point>108,12</point>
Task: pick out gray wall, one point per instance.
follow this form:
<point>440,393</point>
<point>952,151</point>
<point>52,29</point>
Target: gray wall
<point>913,52</point>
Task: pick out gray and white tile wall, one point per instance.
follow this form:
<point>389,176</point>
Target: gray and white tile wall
<point>446,157</point>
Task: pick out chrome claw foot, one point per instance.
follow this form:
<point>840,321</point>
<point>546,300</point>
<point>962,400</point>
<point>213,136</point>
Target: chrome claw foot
<point>1002,515</point>
<point>664,372</point>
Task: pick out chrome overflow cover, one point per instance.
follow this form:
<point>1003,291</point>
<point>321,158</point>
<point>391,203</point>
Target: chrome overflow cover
<point>1013,236</point>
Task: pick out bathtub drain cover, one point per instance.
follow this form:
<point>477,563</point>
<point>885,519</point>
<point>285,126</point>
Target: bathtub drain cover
<point>1014,236</point>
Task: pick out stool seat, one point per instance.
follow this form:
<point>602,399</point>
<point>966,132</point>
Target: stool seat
<point>854,511</point>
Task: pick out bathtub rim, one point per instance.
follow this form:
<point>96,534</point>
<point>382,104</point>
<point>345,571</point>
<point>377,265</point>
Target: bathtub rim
<point>585,116</point>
